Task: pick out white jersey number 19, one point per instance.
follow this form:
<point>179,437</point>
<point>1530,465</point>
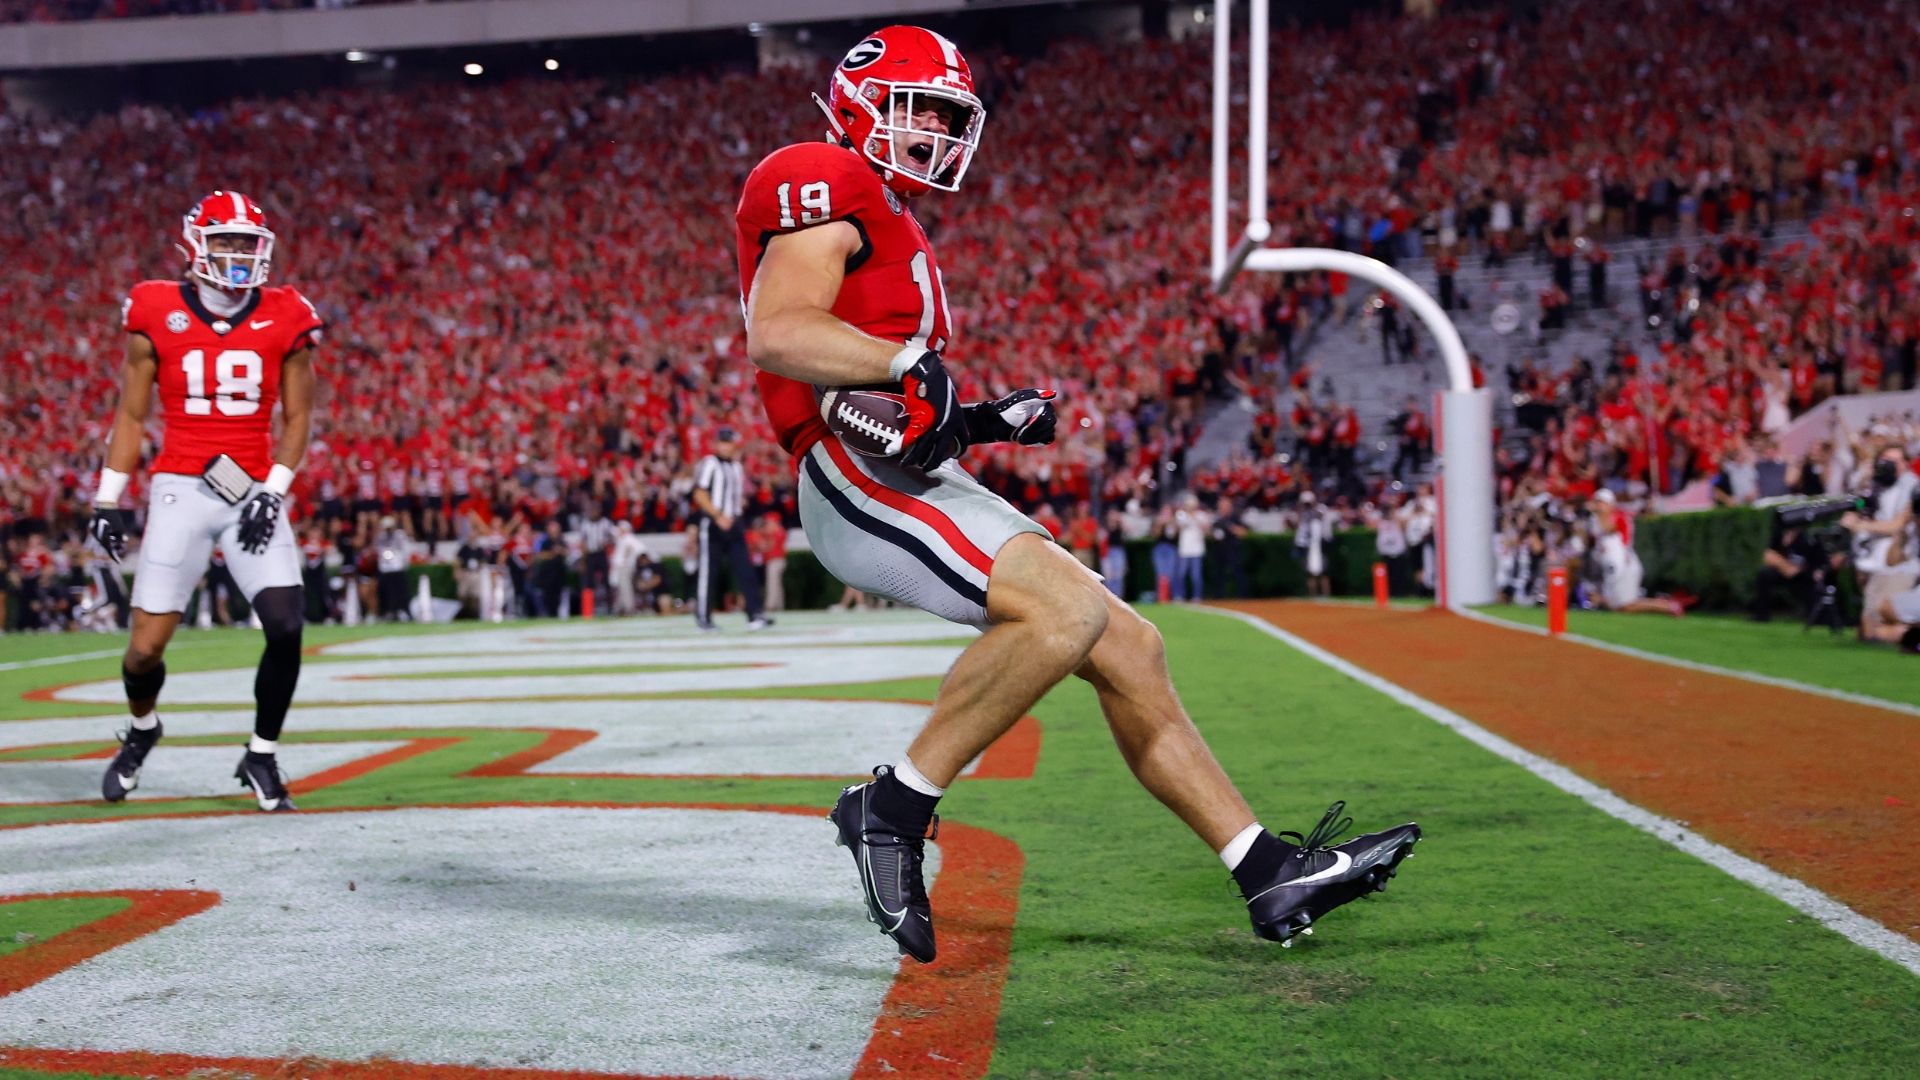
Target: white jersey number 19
<point>930,282</point>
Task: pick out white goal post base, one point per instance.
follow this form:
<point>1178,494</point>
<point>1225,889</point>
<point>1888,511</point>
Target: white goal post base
<point>1465,529</point>
<point>1464,416</point>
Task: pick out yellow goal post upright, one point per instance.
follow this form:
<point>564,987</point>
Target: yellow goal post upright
<point>1464,415</point>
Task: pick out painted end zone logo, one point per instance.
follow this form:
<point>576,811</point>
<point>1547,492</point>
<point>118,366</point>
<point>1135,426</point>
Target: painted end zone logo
<point>534,939</point>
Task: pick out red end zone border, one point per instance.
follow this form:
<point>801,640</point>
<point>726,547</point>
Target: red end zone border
<point>936,1021</point>
<point>1011,757</point>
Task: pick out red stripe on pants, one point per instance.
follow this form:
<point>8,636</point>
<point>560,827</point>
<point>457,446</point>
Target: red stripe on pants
<point>917,508</point>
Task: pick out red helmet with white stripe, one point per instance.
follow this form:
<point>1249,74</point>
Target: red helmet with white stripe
<point>903,99</point>
<point>229,241</point>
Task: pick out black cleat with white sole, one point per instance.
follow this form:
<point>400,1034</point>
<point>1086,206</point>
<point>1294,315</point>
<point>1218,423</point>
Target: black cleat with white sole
<point>1319,876</point>
<point>889,862</point>
<point>261,772</point>
<point>123,774</point>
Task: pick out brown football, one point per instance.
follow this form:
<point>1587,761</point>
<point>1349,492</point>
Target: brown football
<point>867,422</point>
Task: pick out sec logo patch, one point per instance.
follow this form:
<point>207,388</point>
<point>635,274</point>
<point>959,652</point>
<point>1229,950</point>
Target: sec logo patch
<point>177,321</point>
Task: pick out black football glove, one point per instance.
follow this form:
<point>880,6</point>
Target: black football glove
<point>936,426</point>
<point>257,520</point>
<point>1024,416</point>
<point>109,529</point>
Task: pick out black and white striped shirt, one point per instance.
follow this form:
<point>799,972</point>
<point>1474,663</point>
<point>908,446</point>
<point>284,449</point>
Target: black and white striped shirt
<point>596,534</point>
<point>725,483</point>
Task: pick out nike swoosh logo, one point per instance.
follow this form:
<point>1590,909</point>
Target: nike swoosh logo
<point>260,795</point>
<point>260,325</point>
<point>129,781</point>
<point>1342,862</point>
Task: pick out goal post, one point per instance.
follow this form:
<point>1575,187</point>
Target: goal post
<point>1464,414</point>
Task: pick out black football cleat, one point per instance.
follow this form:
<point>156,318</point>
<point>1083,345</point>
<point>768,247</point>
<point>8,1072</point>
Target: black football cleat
<point>890,870</point>
<point>123,775</point>
<point>261,772</point>
<point>1320,875</point>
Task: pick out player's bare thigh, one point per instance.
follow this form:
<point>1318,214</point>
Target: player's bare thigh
<point>1034,573</point>
<point>1035,579</point>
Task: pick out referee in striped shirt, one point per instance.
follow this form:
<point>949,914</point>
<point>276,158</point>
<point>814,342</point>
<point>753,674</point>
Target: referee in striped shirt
<point>720,494</point>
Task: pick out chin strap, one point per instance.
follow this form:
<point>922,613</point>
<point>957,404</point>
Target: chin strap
<point>834,128</point>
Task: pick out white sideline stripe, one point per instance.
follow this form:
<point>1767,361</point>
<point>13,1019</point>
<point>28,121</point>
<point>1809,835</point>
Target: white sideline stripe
<point>49,661</point>
<point>98,654</point>
<point>1704,668</point>
<point>1798,895</point>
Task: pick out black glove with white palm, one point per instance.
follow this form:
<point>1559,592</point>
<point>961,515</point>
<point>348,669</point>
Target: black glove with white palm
<point>109,529</point>
<point>936,425</point>
<point>257,521</point>
<point>1024,416</point>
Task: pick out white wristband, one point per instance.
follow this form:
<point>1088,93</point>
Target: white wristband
<point>905,359</point>
<point>113,484</point>
<point>279,479</point>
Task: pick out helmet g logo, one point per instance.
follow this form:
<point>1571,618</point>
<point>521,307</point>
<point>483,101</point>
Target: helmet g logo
<point>864,54</point>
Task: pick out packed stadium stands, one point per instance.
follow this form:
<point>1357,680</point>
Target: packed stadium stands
<point>17,11</point>
<point>533,302</point>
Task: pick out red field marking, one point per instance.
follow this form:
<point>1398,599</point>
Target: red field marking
<point>558,741</point>
<point>937,1020</point>
<point>1011,757</point>
<point>353,770</point>
<point>150,910</point>
<point>339,774</point>
<point>45,693</point>
<point>940,1019</point>
<point>1816,788</point>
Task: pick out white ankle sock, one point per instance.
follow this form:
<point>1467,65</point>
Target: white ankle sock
<point>913,778</point>
<point>259,745</point>
<point>147,722</point>
<point>1238,847</point>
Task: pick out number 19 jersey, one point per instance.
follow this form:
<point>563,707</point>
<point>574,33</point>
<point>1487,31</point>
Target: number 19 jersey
<point>218,377</point>
<point>892,287</point>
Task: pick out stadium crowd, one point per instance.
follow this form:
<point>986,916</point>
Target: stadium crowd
<point>18,11</point>
<point>504,353</point>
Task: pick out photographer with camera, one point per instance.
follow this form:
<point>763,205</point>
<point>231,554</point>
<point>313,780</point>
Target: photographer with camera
<point>1883,542</point>
<point>1805,555</point>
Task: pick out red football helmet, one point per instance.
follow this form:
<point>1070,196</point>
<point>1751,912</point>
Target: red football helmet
<point>891,78</point>
<point>229,241</point>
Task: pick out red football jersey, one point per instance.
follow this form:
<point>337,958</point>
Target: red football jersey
<point>218,377</point>
<point>892,288</point>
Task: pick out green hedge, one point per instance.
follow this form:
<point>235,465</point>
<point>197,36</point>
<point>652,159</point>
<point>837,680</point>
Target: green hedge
<point>1273,569</point>
<point>1710,553</point>
<point>1714,554</point>
<point>806,583</point>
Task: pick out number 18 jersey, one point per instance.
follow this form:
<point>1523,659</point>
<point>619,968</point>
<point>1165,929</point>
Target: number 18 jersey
<point>892,287</point>
<point>218,377</point>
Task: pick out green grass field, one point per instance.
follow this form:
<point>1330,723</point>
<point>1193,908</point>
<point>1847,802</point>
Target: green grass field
<point>1533,937</point>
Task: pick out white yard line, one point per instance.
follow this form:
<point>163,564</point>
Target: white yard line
<point>98,654</point>
<point>49,661</point>
<point>1695,665</point>
<point>1798,895</point>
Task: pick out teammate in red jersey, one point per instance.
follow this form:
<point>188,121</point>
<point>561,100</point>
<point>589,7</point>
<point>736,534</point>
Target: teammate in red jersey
<point>222,347</point>
<point>841,289</point>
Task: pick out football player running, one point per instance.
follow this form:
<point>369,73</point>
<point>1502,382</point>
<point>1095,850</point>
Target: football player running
<point>222,347</point>
<point>842,290</point>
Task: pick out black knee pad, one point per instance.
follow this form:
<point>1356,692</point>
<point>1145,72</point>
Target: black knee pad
<point>144,685</point>
<point>282,612</point>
